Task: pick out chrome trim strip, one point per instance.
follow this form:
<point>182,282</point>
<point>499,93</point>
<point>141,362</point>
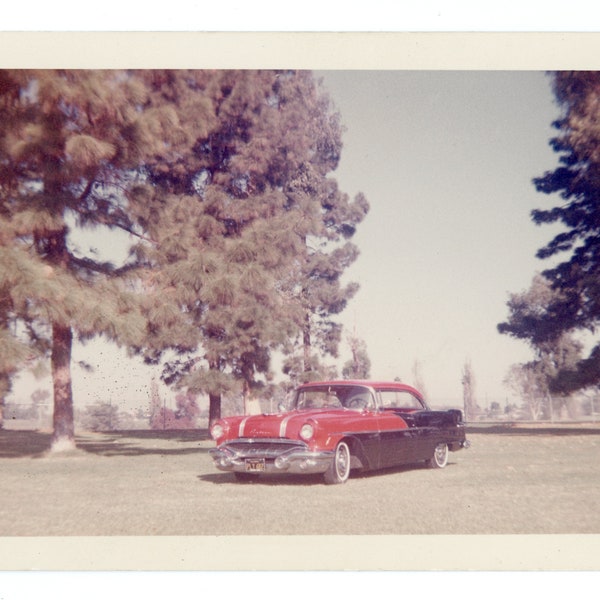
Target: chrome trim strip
<point>283,425</point>
<point>241,428</point>
<point>279,441</point>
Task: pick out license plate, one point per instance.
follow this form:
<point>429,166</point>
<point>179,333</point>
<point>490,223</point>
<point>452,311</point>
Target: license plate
<point>255,465</point>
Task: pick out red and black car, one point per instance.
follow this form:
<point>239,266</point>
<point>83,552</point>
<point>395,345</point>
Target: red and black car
<point>333,427</point>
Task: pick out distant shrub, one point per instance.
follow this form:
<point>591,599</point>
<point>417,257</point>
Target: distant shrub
<point>183,417</point>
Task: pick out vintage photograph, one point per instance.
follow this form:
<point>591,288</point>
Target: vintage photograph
<point>293,301</point>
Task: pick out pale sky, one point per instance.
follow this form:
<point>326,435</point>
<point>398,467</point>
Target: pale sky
<point>446,161</point>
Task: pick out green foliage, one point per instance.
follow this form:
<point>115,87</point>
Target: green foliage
<point>359,367</point>
<point>572,300</point>
<point>72,143</point>
<point>220,177</point>
<point>532,313</point>
<point>557,353</point>
<point>260,236</point>
<point>576,181</point>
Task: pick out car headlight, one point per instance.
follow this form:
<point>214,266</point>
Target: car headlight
<point>307,431</point>
<point>217,431</point>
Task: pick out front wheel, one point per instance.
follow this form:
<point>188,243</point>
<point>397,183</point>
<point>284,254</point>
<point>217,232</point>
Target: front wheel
<point>339,469</point>
<point>440,457</point>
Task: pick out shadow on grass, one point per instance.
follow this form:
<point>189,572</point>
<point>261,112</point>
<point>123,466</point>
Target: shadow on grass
<point>533,429</point>
<point>35,444</point>
<point>20,444</point>
<point>112,448</point>
<point>134,442</point>
<point>221,478</point>
<point>173,435</point>
<point>393,470</point>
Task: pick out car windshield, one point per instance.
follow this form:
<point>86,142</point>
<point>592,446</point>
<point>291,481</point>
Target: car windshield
<point>354,397</point>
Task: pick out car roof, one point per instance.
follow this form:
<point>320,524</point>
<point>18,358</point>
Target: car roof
<point>377,384</point>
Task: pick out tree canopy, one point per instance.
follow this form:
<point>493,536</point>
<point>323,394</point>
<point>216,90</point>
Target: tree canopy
<point>221,180</point>
<point>572,300</point>
<point>257,253</point>
<point>577,182</point>
<point>556,352</point>
<point>70,144</point>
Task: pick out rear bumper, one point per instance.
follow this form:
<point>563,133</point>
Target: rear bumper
<point>279,457</point>
<point>459,445</point>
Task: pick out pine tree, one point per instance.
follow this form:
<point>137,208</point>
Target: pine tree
<point>326,220</point>
<point>222,180</point>
<point>222,245</point>
<point>72,144</point>
<point>574,188</point>
<point>244,233</point>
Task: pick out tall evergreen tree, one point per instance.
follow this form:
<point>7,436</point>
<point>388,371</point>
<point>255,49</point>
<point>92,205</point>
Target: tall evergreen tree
<point>222,244</point>
<point>220,176</point>
<point>577,182</point>
<point>71,145</point>
<point>251,211</point>
<point>327,219</point>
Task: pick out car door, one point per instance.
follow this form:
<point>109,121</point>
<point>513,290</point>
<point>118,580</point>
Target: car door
<point>369,437</point>
<point>360,423</point>
<point>400,436</point>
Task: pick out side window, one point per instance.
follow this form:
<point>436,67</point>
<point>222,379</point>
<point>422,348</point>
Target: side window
<point>399,399</point>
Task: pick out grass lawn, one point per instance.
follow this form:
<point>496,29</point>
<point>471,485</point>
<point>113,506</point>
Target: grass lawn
<point>511,481</point>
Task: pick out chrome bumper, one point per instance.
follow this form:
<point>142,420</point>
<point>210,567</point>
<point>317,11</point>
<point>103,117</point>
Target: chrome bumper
<point>459,445</point>
<point>279,456</point>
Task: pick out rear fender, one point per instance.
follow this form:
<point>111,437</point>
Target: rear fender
<point>438,418</point>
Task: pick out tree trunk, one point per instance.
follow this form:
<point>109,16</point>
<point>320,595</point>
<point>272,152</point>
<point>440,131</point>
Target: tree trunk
<point>534,407</point>
<point>64,429</point>
<point>306,344</point>
<point>5,386</point>
<point>246,396</point>
<point>214,408</point>
<point>551,408</point>
<point>2,401</point>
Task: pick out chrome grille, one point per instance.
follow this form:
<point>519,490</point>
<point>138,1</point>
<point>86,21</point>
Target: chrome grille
<point>263,448</point>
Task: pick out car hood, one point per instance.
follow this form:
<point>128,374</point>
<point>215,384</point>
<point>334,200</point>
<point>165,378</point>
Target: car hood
<point>286,425</point>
